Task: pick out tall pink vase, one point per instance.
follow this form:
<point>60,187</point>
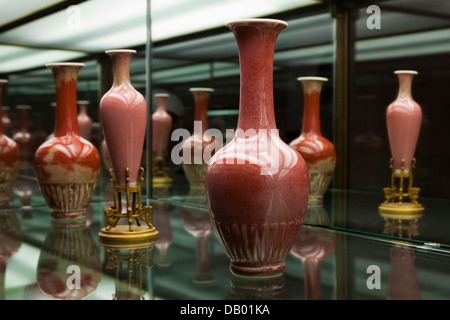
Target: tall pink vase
<point>318,152</point>
<point>123,115</point>
<point>197,149</point>
<point>403,118</point>
<point>67,166</point>
<point>24,138</point>
<point>84,121</point>
<point>257,186</point>
<point>162,124</point>
<point>9,160</point>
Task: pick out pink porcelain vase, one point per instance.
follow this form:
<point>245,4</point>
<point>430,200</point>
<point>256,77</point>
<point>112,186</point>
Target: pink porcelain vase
<point>257,186</point>
<point>162,124</point>
<point>318,152</point>
<point>9,160</point>
<point>123,116</point>
<point>403,118</point>
<point>24,138</point>
<point>84,121</point>
<point>198,148</point>
<point>67,166</point>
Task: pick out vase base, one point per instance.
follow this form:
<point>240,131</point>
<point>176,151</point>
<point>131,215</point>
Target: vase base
<point>258,271</point>
<point>401,208</point>
<point>68,215</point>
<point>123,233</point>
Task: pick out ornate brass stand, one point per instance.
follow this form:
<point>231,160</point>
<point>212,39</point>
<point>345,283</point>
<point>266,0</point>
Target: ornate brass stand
<point>134,210</point>
<point>396,194</point>
<point>160,171</point>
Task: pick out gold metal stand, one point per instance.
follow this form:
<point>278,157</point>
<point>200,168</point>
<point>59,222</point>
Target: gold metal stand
<point>396,194</point>
<point>134,210</point>
<point>160,171</point>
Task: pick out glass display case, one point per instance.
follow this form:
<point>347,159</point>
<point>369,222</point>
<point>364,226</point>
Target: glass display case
<point>347,249</point>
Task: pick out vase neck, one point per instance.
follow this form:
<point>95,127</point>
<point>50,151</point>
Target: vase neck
<point>201,100</point>
<point>83,109</point>
<point>162,103</point>
<point>405,84</point>
<point>66,120</point>
<point>256,45</point>
<point>121,67</point>
<point>311,107</point>
<point>23,121</point>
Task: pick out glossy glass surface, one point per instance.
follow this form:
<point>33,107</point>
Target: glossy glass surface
<point>187,262</point>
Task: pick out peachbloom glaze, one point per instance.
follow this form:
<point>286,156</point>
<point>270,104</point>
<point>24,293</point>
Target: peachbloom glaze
<point>257,186</point>
<point>123,115</point>
<point>84,121</point>
<point>9,159</point>
<point>403,118</point>
<point>162,124</point>
<point>67,165</point>
<point>318,152</point>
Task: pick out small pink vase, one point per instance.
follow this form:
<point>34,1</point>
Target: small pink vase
<point>403,118</point>
<point>318,152</point>
<point>24,138</point>
<point>197,149</point>
<point>67,166</point>
<point>162,124</point>
<point>123,116</point>
<point>9,160</point>
<point>403,282</point>
<point>257,186</point>
<point>84,121</point>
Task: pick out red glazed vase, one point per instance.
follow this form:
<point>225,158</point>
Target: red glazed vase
<point>9,160</point>
<point>200,146</point>
<point>161,124</point>
<point>123,115</point>
<point>257,186</point>
<point>67,166</point>
<point>318,152</point>
<point>84,121</point>
<point>403,118</point>
<point>24,138</point>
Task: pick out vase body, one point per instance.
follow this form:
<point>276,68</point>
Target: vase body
<point>403,119</point>
<point>84,121</point>
<point>318,152</point>
<point>403,282</point>
<point>9,160</point>
<point>161,124</point>
<point>24,138</point>
<point>123,116</point>
<point>200,146</point>
<point>67,166</point>
<point>257,186</point>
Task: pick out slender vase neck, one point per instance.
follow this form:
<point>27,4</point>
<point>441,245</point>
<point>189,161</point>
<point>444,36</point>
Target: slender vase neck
<point>311,111</point>
<point>405,84</point>
<point>66,120</point>
<point>83,109</point>
<point>256,46</point>
<point>201,99</point>
<point>161,104</point>
<point>121,67</point>
<point>23,119</point>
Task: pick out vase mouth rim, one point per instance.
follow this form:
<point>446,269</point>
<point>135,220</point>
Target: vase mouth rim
<point>23,107</point>
<point>161,95</point>
<point>112,51</point>
<point>406,72</point>
<point>64,64</point>
<point>83,102</point>
<point>255,20</point>
<point>312,78</point>
<point>3,81</point>
<point>201,89</point>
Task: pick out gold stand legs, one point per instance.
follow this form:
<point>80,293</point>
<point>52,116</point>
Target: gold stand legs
<point>401,188</point>
<point>134,211</point>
